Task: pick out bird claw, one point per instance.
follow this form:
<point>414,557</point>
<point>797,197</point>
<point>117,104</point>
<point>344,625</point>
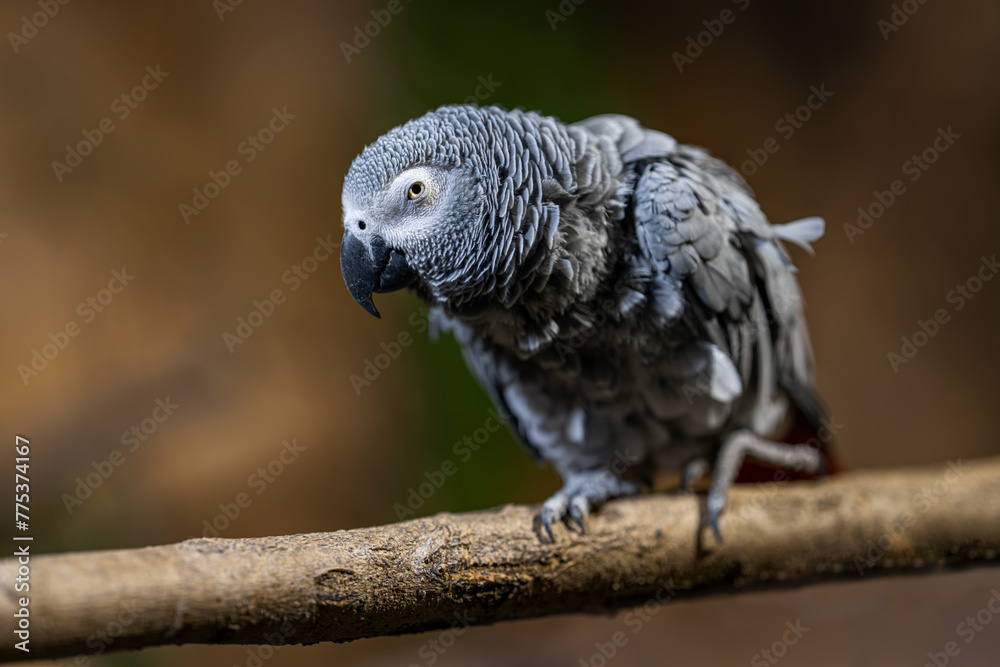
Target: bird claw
<point>716,504</point>
<point>553,509</point>
<point>579,508</point>
<point>562,507</point>
<point>582,491</point>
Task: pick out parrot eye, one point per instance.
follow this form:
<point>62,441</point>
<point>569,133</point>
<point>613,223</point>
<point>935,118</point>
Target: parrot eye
<point>416,190</point>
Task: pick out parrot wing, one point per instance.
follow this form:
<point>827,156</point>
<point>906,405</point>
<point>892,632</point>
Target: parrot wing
<point>717,266</point>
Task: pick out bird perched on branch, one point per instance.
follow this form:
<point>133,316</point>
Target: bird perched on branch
<point>620,296</point>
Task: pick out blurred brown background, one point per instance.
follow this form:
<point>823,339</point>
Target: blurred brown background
<point>222,75</point>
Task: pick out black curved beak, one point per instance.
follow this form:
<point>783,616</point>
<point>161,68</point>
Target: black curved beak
<point>382,270</point>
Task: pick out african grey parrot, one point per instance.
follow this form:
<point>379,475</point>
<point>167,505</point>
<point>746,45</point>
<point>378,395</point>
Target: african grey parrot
<point>620,296</point>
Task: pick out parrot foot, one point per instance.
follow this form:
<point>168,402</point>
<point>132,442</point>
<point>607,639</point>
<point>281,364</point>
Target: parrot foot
<point>745,443</point>
<point>581,492</point>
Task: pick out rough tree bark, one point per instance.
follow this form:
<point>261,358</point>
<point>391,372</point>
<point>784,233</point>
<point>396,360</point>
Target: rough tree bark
<point>492,566</point>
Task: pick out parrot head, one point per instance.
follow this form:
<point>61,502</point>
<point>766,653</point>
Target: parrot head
<point>416,206</point>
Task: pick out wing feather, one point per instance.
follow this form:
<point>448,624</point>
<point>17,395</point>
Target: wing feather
<point>706,239</point>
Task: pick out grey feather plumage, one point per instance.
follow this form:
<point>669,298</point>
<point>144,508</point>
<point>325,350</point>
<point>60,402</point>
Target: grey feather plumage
<point>615,292</point>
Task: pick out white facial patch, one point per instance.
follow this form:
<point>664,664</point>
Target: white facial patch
<point>417,216</point>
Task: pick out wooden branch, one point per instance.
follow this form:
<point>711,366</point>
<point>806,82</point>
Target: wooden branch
<point>483,567</point>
